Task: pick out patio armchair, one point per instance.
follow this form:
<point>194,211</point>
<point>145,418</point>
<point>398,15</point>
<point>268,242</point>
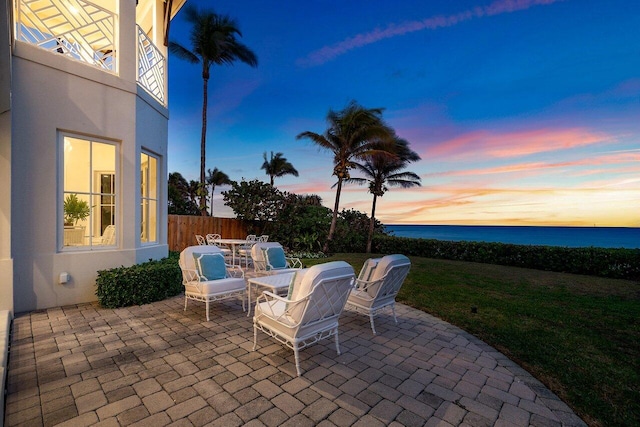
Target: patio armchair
<point>269,258</point>
<point>201,240</point>
<point>310,311</point>
<point>377,285</point>
<point>207,278</point>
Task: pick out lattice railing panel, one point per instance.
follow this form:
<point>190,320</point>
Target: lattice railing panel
<point>75,28</point>
<point>151,67</point>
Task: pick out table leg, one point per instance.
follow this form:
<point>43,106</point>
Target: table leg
<point>249,298</point>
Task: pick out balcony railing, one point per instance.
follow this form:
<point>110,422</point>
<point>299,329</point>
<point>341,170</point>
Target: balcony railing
<point>75,28</point>
<point>151,67</point>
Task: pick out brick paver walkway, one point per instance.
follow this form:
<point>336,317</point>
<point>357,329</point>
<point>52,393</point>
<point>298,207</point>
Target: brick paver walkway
<point>156,365</point>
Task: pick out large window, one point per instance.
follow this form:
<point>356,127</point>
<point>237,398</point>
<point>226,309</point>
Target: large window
<point>148,198</point>
<point>89,192</point>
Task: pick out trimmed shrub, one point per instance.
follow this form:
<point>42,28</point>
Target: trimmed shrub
<point>139,284</point>
<point>603,262</point>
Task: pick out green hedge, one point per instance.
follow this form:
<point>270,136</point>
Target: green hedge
<point>139,284</point>
<point>614,263</point>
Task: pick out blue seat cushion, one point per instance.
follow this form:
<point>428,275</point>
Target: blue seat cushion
<point>275,258</point>
<point>210,266</point>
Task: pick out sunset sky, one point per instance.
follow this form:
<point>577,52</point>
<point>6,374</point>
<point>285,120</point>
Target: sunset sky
<point>525,112</point>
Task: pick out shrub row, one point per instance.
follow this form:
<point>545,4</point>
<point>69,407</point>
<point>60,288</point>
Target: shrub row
<point>613,263</point>
<point>139,284</point>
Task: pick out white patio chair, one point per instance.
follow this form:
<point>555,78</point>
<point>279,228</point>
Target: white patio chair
<point>377,286</point>
<point>311,310</point>
<point>263,238</point>
<point>269,258</point>
<point>207,278</point>
<point>244,250</point>
<point>214,240</point>
<point>201,240</point>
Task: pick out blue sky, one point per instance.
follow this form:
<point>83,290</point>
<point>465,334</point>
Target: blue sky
<point>525,112</point>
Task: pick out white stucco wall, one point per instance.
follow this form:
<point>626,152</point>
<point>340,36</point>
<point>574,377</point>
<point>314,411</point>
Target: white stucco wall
<point>53,93</point>
<point>6,261</point>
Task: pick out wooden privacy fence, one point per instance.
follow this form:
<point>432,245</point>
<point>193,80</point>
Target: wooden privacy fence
<point>182,229</point>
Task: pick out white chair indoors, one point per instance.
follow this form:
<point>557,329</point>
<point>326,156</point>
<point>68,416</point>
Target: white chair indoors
<point>207,278</point>
<point>310,312</point>
<point>378,284</point>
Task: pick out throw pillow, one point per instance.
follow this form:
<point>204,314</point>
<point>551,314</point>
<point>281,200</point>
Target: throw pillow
<point>275,258</point>
<point>210,266</point>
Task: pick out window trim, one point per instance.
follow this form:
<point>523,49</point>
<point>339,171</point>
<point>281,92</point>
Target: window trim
<point>157,157</point>
<point>91,246</point>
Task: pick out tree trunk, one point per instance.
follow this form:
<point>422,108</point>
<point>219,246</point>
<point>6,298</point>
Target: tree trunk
<point>203,144</point>
<point>334,218</point>
<point>372,222</point>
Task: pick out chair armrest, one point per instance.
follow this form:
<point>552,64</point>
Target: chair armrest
<point>234,271</point>
<point>364,285</point>
<point>272,300</point>
<point>189,275</point>
<point>294,262</point>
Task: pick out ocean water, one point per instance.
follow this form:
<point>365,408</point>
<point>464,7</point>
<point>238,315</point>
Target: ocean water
<point>603,237</point>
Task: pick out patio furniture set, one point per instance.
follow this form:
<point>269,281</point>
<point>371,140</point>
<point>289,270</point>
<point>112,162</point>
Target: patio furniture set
<point>298,306</point>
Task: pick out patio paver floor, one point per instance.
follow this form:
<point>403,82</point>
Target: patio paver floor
<point>157,365</point>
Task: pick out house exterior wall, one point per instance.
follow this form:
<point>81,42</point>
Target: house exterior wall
<point>51,93</point>
<point>6,261</point>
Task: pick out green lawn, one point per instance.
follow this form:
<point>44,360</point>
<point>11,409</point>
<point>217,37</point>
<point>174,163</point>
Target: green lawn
<point>579,335</point>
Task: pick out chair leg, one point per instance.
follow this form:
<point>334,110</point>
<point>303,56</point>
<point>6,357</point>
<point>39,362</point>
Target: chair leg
<point>185,303</point>
<point>393,310</point>
<point>337,343</point>
<point>255,337</point>
<point>207,304</point>
<point>373,328</point>
<point>297,357</point>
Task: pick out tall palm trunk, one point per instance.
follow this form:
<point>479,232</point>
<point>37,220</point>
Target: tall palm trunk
<point>334,218</point>
<point>372,222</point>
<point>203,140</point>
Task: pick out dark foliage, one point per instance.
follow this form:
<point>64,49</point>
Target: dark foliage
<point>613,263</point>
<point>139,284</point>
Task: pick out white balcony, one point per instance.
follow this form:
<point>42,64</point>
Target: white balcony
<point>86,32</point>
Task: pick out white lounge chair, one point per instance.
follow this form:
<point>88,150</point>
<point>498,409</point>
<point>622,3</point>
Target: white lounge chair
<point>207,278</point>
<point>269,258</point>
<point>378,284</point>
<point>311,310</point>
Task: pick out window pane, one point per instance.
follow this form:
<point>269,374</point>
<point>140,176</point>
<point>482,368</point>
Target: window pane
<point>153,208</point>
<point>153,177</point>
<point>77,165</point>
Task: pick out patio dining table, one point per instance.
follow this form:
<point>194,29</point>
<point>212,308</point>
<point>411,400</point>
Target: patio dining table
<point>233,243</point>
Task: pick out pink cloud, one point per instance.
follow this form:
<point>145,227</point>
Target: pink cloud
<point>620,158</point>
<point>514,144</point>
<point>329,53</point>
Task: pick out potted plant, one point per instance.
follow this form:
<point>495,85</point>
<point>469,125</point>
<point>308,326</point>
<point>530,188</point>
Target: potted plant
<point>75,210</point>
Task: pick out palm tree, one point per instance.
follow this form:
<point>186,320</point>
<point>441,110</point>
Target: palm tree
<point>213,42</point>
<point>353,133</point>
<point>382,172</point>
<point>277,166</point>
<point>216,177</point>
<point>179,200</point>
